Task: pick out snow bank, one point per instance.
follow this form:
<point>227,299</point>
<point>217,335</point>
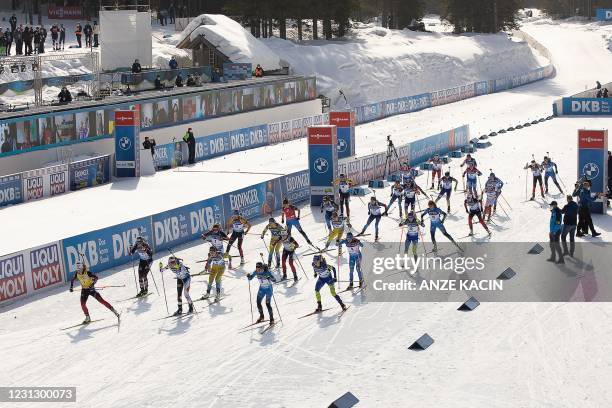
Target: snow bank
<point>375,64</point>
<point>232,40</point>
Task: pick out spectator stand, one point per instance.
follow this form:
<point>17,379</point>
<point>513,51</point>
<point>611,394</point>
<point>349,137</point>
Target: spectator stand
<point>34,65</point>
<point>144,81</point>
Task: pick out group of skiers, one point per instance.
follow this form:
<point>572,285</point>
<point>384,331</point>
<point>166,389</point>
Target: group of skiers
<point>573,219</point>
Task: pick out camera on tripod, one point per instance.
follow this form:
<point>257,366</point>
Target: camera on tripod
<point>389,141</point>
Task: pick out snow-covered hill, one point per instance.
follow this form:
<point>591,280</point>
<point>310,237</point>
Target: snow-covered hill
<point>374,64</point>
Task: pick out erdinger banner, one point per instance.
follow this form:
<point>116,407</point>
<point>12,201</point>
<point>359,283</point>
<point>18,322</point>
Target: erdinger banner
<point>28,272</point>
<point>89,173</point>
<point>45,182</point>
<point>258,200</point>
<point>186,223</point>
<point>295,187</point>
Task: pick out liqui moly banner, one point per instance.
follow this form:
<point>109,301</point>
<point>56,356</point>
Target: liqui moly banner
<point>45,182</point>
<point>31,271</point>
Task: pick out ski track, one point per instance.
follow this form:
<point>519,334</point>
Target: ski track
<point>500,355</point>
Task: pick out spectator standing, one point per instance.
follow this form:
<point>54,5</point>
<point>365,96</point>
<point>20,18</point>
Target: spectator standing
<point>62,35</point>
<point>171,13</point>
<point>555,233</point>
<point>598,85</point>
<point>18,37</point>
<point>55,37</point>
<point>179,80</point>
<point>96,34</point>
<point>88,31</point>
<point>173,63</point>
<point>599,93</point>
<point>160,17</point>
<point>259,72</point>
<point>78,32</point>
<point>136,68</point>
<point>2,45</point>
<point>158,83</point>
<point>13,23</point>
<point>570,216</point>
<point>27,40</point>
<point>36,37</point>
<point>585,221</point>
<point>604,94</point>
<point>8,41</point>
<point>190,140</point>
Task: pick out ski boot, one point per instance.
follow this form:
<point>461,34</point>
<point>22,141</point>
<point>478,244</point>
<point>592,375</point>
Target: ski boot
<point>295,278</point>
<point>448,209</point>
<point>361,283</point>
<point>271,320</point>
<point>319,308</point>
<point>350,286</point>
<point>532,197</point>
<point>242,261</point>
<point>284,278</point>
<point>115,312</point>
<point>87,319</point>
<point>308,242</point>
<point>342,305</point>
<point>471,234</point>
<point>261,319</point>
<point>190,308</point>
<point>206,295</point>
<point>179,311</point>
<point>435,248</point>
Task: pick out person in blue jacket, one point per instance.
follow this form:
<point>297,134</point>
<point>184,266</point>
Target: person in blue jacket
<point>436,218</point>
<point>265,278</point>
<point>584,211</point>
<point>570,216</point>
<point>554,234</point>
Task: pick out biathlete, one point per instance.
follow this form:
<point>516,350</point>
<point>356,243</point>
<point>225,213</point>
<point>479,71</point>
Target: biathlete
<point>289,246</point>
<point>326,276</point>
<point>471,176</point>
<point>411,190</point>
<point>412,224</point>
<point>337,230</point>
<point>493,189</point>
<point>446,186</point>
<point>239,227</point>
<point>436,218</point>
<point>536,172</point>
<point>374,214</point>
<point>183,282</point>
<point>216,269</point>
<point>550,171</point>
<point>215,237</point>
<point>436,169</point>
<point>275,241</point>
<point>397,194</point>
<point>473,207</point>
<point>353,246</point>
<point>329,207</point>
<point>344,187</point>
<point>145,256</point>
<point>265,278</point>
<point>88,281</point>
<point>291,215</point>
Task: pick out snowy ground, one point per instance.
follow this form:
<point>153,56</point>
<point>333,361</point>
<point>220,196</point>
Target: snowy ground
<point>501,355</point>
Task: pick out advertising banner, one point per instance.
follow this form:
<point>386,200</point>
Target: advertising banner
<point>285,131</point>
<point>89,173</point>
<point>65,12</point>
<point>592,162</point>
<point>105,248</point>
<point>127,143</point>
<point>274,133</point>
<point>604,14</point>
<point>46,266</point>
<point>587,106</point>
<point>297,129</point>
<point>295,187</point>
<point>254,201</point>
<point>345,124</point>
<point>187,223</point>
<point>11,190</point>
<point>170,155</point>
<point>234,70</point>
<point>322,162</point>
<point>12,277</point>
<point>45,182</point>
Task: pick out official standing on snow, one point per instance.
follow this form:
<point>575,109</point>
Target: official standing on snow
<point>585,222</point>
<point>554,234</point>
<point>190,140</point>
<point>570,215</point>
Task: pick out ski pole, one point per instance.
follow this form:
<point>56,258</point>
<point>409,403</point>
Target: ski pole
<point>506,201</point>
<point>420,234</point>
<point>265,245</point>
<point>164,289</point>
<point>110,286</point>
<point>277,310</point>
<point>301,267</point>
<point>134,273</point>
<point>155,283</point>
<point>399,248</point>
<point>251,302</point>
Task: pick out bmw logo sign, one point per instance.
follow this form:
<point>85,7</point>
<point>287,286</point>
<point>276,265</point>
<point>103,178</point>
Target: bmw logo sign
<point>591,171</point>
<point>321,165</point>
<point>125,143</point>
<point>342,145</point>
